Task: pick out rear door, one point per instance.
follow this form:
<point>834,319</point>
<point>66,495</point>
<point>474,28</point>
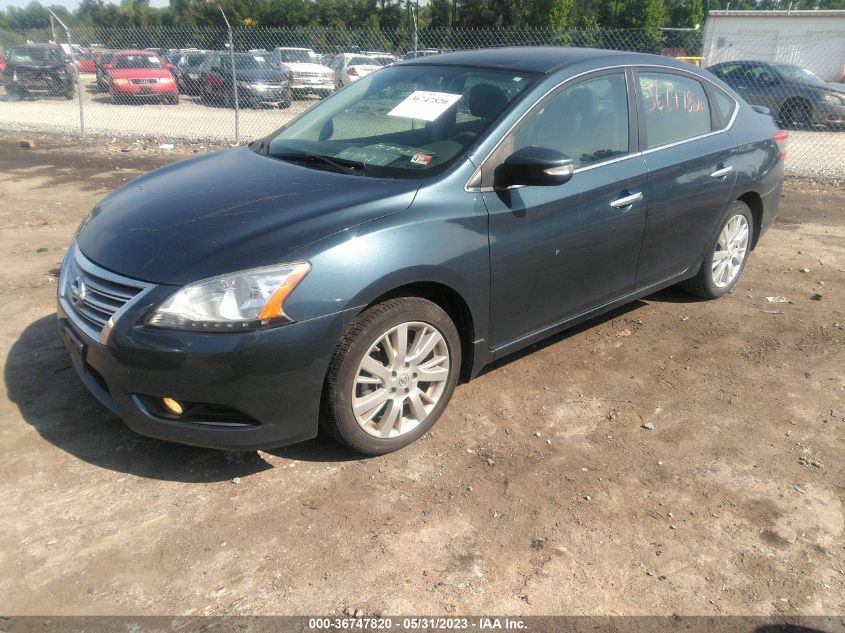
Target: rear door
<point>691,173</point>
<point>558,251</point>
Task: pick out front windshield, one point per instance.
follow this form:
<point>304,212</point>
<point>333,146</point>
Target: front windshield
<point>800,75</point>
<point>34,55</point>
<point>247,62</point>
<point>404,121</point>
<point>137,61</point>
<point>362,61</point>
<point>295,56</point>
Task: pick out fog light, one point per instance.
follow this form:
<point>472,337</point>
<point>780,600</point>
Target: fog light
<point>172,405</point>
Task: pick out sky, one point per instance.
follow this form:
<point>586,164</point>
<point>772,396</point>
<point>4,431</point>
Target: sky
<point>70,4</point>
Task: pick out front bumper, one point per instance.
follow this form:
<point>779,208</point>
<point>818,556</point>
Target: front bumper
<point>306,85</point>
<point>273,377</point>
<point>269,96</point>
<point>145,90</point>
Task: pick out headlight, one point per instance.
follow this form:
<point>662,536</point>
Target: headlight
<point>246,300</point>
<point>832,98</point>
<point>120,82</point>
<point>165,80</point>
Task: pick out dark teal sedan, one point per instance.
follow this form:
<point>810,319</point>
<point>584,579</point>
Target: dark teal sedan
<point>349,270</point>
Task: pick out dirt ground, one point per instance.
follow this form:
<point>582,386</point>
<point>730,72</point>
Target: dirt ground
<point>538,492</point>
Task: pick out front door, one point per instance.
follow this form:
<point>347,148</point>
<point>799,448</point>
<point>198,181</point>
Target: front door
<point>559,251</point>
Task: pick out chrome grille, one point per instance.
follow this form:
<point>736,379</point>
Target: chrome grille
<point>92,295</point>
<point>144,81</point>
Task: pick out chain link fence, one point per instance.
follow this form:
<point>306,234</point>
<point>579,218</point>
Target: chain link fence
<point>224,85</point>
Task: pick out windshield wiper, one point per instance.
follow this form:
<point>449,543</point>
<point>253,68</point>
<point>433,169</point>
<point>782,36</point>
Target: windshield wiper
<point>319,158</point>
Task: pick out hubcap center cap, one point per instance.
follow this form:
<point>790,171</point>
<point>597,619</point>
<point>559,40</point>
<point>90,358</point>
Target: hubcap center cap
<point>404,380</point>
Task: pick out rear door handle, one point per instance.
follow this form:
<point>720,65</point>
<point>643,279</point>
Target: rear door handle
<point>627,201</point>
<point>722,172</point>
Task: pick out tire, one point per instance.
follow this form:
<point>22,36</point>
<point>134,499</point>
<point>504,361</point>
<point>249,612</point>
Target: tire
<point>69,93</point>
<point>708,283</point>
<point>173,99</point>
<point>796,114</point>
<point>393,421</point>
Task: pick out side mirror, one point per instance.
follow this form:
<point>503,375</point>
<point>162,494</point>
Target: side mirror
<point>535,165</point>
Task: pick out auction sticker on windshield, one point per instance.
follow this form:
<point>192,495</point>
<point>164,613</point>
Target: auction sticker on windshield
<point>424,105</point>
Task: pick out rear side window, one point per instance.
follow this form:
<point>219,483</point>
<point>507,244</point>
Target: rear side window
<point>674,108</point>
<point>723,107</point>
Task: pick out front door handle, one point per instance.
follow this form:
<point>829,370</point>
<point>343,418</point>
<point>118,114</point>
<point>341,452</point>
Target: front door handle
<point>722,172</point>
<point>627,201</point>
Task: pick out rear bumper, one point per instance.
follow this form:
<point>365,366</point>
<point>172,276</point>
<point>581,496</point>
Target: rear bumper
<point>273,377</point>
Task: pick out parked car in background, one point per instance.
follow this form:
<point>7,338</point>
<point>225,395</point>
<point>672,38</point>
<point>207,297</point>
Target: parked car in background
<point>307,75</point>
<point>259,83</point>
<point>103,65</point>
<point>38,69</point>
<point>794,95</point>
<point>349,67</point>
<point>141,75</point>
<point>188,71</point>
<point>349,269</point>
<point>2,59</point>
<point>86,62</point>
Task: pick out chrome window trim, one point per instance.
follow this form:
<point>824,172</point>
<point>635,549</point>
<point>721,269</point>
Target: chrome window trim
<point>90,267</point>
<point>682,71</point>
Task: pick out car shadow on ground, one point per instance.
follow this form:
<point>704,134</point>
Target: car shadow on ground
<point>669,295</point>
<point>42,384</point>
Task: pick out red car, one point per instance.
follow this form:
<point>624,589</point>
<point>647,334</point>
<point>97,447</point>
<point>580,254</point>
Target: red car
<point>86,63</point>
<point>141,75</point>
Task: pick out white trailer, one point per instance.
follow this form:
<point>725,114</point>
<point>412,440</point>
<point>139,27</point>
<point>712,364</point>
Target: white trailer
<point>811,39</point>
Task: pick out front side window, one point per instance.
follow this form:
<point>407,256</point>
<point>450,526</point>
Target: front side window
<point>402,122</point>
<point>674,108</point>
<point>587,121</point>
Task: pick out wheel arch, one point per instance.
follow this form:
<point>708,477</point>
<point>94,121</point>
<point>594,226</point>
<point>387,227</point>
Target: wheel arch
<point>451,301</point>
<point>755,203</point>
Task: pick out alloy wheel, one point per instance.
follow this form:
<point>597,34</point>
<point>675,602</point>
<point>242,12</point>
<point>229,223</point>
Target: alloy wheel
<point>731,250</point>
<point>400,379</point>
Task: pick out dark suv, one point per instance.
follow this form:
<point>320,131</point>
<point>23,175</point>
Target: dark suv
<point>38,69</point>
<point>796,96</point>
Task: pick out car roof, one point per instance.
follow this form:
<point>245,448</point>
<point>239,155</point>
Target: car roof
<point>540,59</point>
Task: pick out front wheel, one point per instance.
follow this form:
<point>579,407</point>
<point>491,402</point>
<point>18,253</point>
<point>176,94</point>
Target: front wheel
<point>727,256</point>
<point>391,376</point>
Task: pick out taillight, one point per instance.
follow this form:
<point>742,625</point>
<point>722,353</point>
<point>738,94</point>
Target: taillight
<point>780,139</point>
<point>351,72</point>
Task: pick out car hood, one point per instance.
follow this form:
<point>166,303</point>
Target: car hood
<point>260,74</point>
<point>139,73</point>
<point>228,211</point>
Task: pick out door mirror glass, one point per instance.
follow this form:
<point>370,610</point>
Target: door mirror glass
<point>534,165</point>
